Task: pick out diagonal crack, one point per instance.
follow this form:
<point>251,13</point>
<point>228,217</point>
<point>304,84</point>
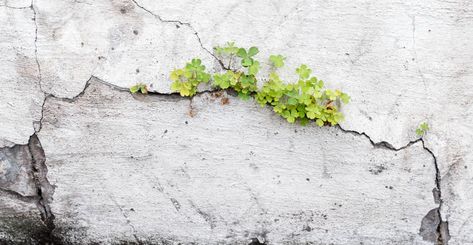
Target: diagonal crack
<point>184,24</point>
<point>138,241</point>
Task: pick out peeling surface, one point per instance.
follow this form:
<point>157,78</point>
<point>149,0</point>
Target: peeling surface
<point>126,48</point>
<point>231,186</point>
<point>21,99</point>
<point>25,194</point>
<point>402,62</point>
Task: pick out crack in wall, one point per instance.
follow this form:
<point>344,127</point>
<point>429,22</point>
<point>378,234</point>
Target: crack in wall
<point>184,24</point>
<point>10,7</point>
<point>44,189</point>
<point>48,217</point>
<point>19,196</point>
<point>39,158</point>
<point>442,226</point>
<point>36,47</point>
<point>35,157</point>
<point>138,241</point>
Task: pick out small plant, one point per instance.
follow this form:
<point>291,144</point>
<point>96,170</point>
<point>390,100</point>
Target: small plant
<point>187,79</point>
<point>277,60</point>
<point>303,101</point>
<point>139,87</point>
<point>422,129</point>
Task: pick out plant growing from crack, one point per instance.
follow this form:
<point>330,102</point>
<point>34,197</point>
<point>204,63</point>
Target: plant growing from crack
<point>422,129</point>
<point>139,87</point>
<point>303,101</point>
<point>187,79</point>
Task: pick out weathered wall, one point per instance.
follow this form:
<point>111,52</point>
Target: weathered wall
<point>82,161</point>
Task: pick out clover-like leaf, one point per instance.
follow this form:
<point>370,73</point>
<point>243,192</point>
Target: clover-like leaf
<point>254,68</point>
<point>422,129</point>
<point>252,51</point>
<point>303,71</point>
<point>242,53</point>
<point>345,98</point>
<point>139,87</point>
<point>277,60</point>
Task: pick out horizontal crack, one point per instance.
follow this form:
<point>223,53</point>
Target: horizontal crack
<point>11,7</point>
<point>380,144</point>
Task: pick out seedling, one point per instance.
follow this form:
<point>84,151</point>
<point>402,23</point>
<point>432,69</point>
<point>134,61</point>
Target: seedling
<point>422,129</point>
<point>139,87</point>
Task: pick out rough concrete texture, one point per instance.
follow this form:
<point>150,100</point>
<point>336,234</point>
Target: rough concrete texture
<point>21,97</point>
<point>217,183</point>
<point>119,176</point>
<point>20,221</point>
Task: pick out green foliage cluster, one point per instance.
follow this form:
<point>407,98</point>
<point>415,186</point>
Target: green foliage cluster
<point>187,79</point>
<point>422,129</point>
<point>303,101</point>
<point>139,87</point>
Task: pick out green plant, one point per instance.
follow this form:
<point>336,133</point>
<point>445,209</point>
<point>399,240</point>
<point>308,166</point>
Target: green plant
<point>277,60</point>
<point>139,87</point>
<point>304,101</point>
<point>244,83</point>
<point>187,79</point>
<point>422,129</point>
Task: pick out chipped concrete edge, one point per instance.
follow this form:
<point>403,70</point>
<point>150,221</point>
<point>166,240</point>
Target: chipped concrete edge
<point>440,227</point>
<point>45,190</point>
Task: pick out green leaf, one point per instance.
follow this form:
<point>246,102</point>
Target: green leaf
<point>303,71</point>
<point>254,68</point>
<point>345,98</point>
<point>422,129</point>
<point>292,101</point>
<point>144,90</point>
<point>134,89</point>
<point>252,51</point>
<point>246,62</point>
<point>304,121</point>
<point>319,122</point>
<point>139,87</point>
<point>277,60</point>
<point>241,53</point>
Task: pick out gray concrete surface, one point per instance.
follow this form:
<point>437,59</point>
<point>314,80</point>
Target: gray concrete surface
<point>161,169</point>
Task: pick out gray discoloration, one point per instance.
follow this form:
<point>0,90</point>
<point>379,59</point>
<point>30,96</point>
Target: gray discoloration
<point>248,201</point>
<point>24,179</point>
<point>20,222</point>
<point>401,62</point>
<point>429,226</point>
<point>16,173</point>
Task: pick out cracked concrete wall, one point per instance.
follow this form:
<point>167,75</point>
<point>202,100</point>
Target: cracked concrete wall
<point>83,161</point>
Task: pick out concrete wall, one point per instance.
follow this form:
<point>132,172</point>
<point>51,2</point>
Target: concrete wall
<point>82,161</point>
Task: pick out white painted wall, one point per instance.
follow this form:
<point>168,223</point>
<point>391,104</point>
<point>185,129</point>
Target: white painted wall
<point>143,169</point>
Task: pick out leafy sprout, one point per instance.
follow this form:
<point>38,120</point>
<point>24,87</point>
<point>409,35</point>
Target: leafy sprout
<point>187,79</point>
<point>139,87</point>
<point>277,60</point>
<point>422,129</point>
<point>304,101</point>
